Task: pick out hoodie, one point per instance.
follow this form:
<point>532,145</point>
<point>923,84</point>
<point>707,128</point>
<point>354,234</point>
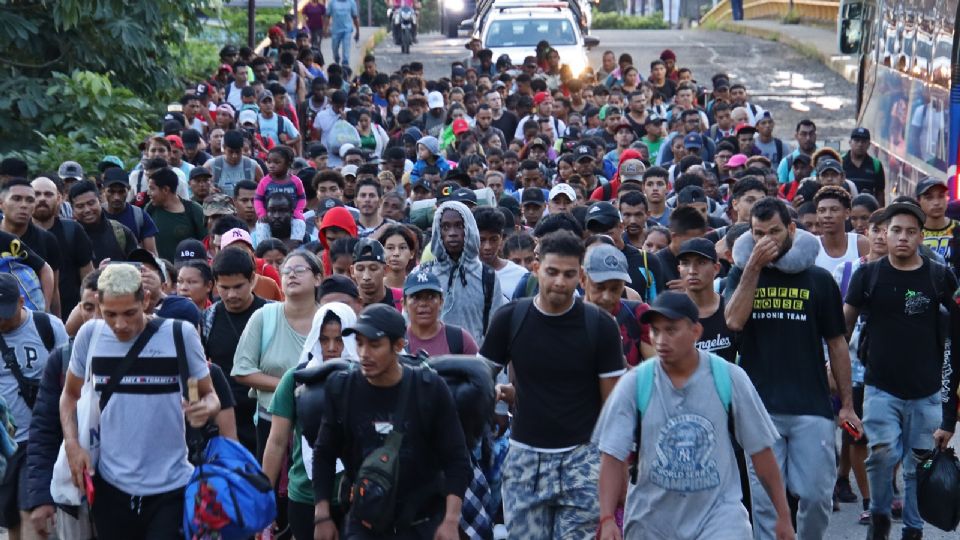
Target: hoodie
<point>801,255</point>
<point>462,280</point>
<point>312,352</point>
<point>335,217</point>
<point>433,145</point>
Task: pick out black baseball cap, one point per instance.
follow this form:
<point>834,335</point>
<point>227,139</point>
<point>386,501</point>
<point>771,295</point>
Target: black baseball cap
<point>698,246</point>
<point>338,284</point>
<point>368,249</point>
<point>143,256</point>
<point>904,208</point>
<point>9,295</point>
<point>533,195</point>
<point>829,164</point>
<point>464,195</point>
<point>603,214</point>
<point>190,138</point>
<point>672,305</point>
<point>379,321</point>
<point>584,151</point>
<point>860,133</point>
<point>190,249</point>
<point>115,176</point>
<point>691,194</point>
<point>929,183</point>
<point>200,171</point>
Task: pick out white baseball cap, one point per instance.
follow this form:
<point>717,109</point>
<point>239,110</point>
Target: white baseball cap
<point>248,116</point>
<point>563,189</point>
<point>435,100</point>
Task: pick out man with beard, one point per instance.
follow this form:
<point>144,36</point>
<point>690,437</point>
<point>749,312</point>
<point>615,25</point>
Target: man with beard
<point>110,239</point>
<point>484,126</point>
<point>785,307</point>
<point>76,251</point>
<point>279,218</point>
<point>18,200</point>
<point>118,209</point>
<point>806,144</point>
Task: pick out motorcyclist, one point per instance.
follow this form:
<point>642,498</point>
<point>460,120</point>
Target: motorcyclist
<point>394,7</point>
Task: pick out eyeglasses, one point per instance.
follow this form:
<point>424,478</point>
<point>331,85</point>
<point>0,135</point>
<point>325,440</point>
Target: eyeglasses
<point>298,270</point>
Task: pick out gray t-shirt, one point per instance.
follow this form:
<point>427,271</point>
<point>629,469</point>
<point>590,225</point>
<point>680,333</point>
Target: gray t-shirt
<point>32,357</point>
<point>688,485</point>
<point>143,450</point>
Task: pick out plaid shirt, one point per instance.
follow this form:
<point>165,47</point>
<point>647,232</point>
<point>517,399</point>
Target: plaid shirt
<point>475,520</point>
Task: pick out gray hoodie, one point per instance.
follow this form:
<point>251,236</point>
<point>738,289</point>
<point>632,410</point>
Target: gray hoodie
<point>801,255</point>
<point>462,280</point>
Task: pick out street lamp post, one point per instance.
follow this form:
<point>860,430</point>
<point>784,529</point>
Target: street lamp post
<point>251,16</point>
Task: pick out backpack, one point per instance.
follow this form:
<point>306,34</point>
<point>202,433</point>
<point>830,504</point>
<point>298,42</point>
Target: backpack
<point>607,192</point>
<point>454,335</point>
<point>27,280</point>
<point>646,372</point>
<point>279,128</point>
<point>779,144</point>
<point>489,280</point>
<point>650,279</point>
<point>120,235</point>
<point>937,274</point>
<point>228,496</point>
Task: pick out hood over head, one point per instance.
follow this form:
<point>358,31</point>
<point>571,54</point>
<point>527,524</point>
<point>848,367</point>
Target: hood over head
<point>801,255</point>
<point>471,237</point>
<point>337,217</point>
<point>311,348</point>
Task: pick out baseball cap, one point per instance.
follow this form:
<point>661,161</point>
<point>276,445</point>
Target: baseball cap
<point>378,321</point>
<point>464,195</point>
<point>235,235</point>
<point>200,171</point>
<point>928,183</point>
<point>316,150</point>
<point>584,151</point>
<point>435,100</point>
<point>690,195</point>
<point>653,119</point>
<point>143,256</point>
<point>248,116</point>
<point>744,127</point>
<point>698,246</point>
<point>349,170</point>
<point>175,140</point>
<point>460,126</point>
<point>672,305</point>
<point>218,204</point>
<point>421,280</point>
<point>338,284</point>
<point>537,141</point>
<point>860,133</point>
<point>802,158</point>
<point>115,176</point>
<point>603,214</point>
<point>266,96</point>
<point>737,160</point>
<point>904,208</point>
<point>190,138</point>
<point>532,195</point>
<point>70,169</point>
<point>368,249</point>
<point>828,164</point>
<point>693,140</point>
<point>108,162</point>
<point>421,183</point>
<point>632,170</point>
<point>229,50</point>
<point>606,263</point>
<point>540,97</point>
<point>563,189</point>
<point>9,295</point>
<point>190,249</point>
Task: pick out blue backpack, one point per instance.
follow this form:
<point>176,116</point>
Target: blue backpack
<point>27,279</point>
<point>228,497</point>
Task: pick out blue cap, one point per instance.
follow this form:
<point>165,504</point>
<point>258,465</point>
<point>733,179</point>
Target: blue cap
<point>693,140</point>
<point>421,280</point>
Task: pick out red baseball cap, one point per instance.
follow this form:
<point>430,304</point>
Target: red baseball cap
<point>175,140</point>
<point>226,67</point>
<point>460,126</point>
<point>540,97</point>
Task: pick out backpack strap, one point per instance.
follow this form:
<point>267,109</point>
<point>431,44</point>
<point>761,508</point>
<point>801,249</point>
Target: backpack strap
<point>119,235</point>
<point>269,323</point>
<point>877,166</point>
<point>489,278</point>
<point>218,169</point>
<point>607,192</point>
<point>138,220</point>
<point>454,335</point>
<point>779,144</point>
<point>648,277</point>
<point>41,321</point>
<point>532,285</point>
<point>397,298</point>
<point>519,314</point>
<point>845,278</point>
<point>721,380</point>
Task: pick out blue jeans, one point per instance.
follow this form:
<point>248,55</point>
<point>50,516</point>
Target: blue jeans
<point>807,458</point>
<point>894,428</point>
<point>551,496</point>
<point>340,44</point>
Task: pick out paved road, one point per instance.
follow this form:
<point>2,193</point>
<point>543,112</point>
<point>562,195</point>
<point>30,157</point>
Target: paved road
<point>780,79</point>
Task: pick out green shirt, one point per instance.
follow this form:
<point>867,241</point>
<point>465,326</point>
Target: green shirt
<point>652,146</point>
<point>284,405</point>
<point>174,227</point>
<point>281,354</point>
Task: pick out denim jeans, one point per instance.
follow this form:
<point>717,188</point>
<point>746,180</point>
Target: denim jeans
<point>340,44</point>
<point>549,496</point>
<point>895,427</point>
<point>807,458</point>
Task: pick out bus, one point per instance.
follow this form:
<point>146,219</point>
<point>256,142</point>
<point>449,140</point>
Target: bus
<point>908,86</point>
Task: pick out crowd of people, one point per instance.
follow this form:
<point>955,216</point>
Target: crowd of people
<point>684,309</point>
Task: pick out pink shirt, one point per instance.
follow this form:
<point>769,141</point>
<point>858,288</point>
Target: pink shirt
<point>437,345</point>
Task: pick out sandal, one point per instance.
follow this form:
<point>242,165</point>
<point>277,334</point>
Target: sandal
<point>865,517</point>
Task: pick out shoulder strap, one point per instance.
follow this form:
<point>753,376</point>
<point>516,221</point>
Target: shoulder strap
<point>124,365</point>
<point>41,321</point>
<point>877,166</point>
<point>397,295</point>
<point>138,220</point>
<point>937,274</point>
<point>648,277</point>
<point>872,277</point>
<point>454,337</point>
<point>519,314</point>
<point>645,373</point>
<point>269,324</point>
<point>779,144</point>
<point>182,366</point>
<point>607,191</point>
<point>531,286</point>
<point>70,231</point>
<point>247,167</point>
<point>721,380</point>
<point>218,168</point>
<point>489,278</point>
<point>119,235</point>
<point>845,278</point>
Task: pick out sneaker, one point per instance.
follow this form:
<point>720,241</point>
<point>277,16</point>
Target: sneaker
<point>836,503</point>
<point>896,509</point>
<point>844,492</point>
<point>912,534</point>
<point>865,515</point>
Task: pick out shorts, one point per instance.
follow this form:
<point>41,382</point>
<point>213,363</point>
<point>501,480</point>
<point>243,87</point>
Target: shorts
<point>13,490</point>
<point>857,408</point>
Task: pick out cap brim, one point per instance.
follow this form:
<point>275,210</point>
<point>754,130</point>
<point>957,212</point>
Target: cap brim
<point>601,277</point>
<point>420,287</point>
<point>7,310</point>
<point>648,315</point>
<point>631,178</point>
<point>708,256</point>
<point>366,330</point>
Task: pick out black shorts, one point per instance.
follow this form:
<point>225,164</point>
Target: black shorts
<point>13,490</point>
<point>857,408</point>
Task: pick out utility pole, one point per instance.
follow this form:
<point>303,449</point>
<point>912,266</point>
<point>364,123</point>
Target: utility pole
<point>251,16</point>
<point>369,12</point>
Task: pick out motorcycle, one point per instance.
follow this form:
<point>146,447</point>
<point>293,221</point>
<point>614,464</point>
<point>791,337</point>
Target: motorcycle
<point>407,21</point>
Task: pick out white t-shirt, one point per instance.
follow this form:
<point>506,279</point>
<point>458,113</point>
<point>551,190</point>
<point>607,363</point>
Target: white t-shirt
<point>509,276</point>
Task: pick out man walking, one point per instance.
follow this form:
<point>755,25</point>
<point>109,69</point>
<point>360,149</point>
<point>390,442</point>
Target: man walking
<point>342,17</point>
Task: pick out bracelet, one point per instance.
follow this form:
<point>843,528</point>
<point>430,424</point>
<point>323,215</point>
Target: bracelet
<point>605,519</point>
<point>319,520</point>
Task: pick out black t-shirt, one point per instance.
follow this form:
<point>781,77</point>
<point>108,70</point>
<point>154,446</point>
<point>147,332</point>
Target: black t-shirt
<point>32,259</point>
<point>905,353</point>
<point>507,123</point>
<point>430,445</point>
<point>640,265</point>
<point>44,244</point>
<point>716,337</point>
<point>781,345</point>
<point>669,264</point>
<point>556,373</point>
<point>76,251</point>
<point>106,243</point>
<point>220,342</point>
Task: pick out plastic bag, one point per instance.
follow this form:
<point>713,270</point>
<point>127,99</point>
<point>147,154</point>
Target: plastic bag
<point>938,488</point>
<point>341,133</point>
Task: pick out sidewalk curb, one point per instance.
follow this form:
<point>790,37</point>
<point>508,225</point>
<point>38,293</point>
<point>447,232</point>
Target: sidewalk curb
<point>841,65</point>
<point>368,46</point>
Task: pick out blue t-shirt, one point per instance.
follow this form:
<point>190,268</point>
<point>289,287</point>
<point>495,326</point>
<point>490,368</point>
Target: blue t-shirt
<point>341,14</point>
<point>147,228</point>
<point>269,127</point>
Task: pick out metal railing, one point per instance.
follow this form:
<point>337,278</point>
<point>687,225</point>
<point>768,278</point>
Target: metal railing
<point>818,10</point>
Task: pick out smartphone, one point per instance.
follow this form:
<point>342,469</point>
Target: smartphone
<point>88,485</point>
<point>852,431</point>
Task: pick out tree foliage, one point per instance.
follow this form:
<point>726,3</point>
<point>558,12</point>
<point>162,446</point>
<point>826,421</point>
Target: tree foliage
<point>45,44</point>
